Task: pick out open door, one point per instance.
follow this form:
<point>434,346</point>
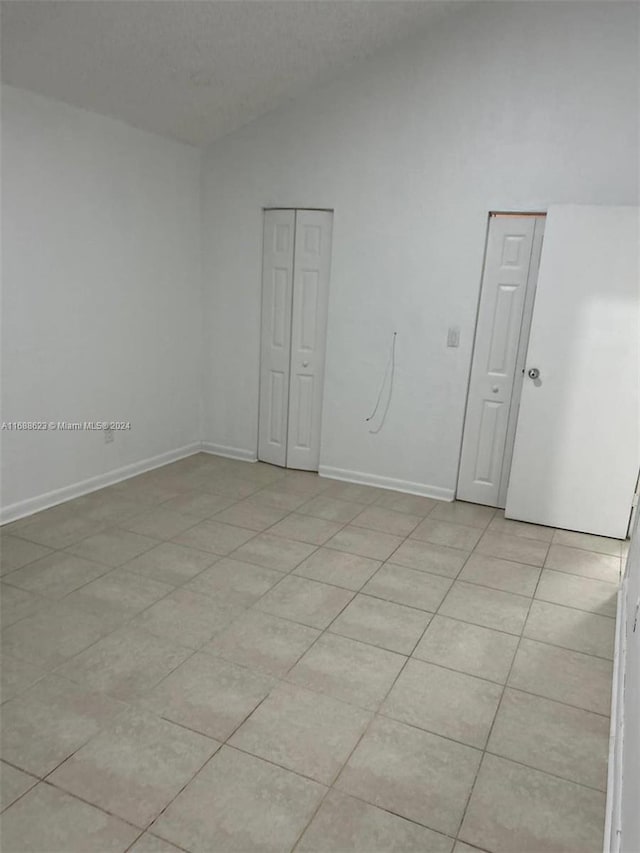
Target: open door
<point>577,446</point>
<point>502,330</point>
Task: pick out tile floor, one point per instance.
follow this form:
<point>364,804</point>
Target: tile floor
<point>220,656</point>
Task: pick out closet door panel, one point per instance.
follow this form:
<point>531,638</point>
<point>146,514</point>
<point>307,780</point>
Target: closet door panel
<point>312,261</point>
<point>275,354</point>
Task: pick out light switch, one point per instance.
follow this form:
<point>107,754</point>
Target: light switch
<point>453,337</point>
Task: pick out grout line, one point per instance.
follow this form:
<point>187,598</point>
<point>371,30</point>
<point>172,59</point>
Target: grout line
<point>497,711</point>
<point>230,470</point>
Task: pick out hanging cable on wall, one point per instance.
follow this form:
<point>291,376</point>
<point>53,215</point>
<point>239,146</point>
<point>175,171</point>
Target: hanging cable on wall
<point>389,374</point>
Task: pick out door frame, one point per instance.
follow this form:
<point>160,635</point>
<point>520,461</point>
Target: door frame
<point>522,347</point>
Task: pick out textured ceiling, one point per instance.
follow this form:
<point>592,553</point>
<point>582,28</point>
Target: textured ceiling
<point>194,70</point>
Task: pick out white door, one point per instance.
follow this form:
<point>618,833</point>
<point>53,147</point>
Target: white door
<point>295,291</point>
<point>275,352</point>
<point>308,336</point>
<point>577,447</point>
<point>508,287</point>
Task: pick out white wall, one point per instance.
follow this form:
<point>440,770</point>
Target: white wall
<point>101,293</point>
<point>503,106</point>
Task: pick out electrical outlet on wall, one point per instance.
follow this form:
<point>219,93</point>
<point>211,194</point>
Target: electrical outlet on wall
<point>108,435</point>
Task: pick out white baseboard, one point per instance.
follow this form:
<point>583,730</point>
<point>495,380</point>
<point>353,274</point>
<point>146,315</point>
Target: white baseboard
<point>422,489</point>
<point>27,507</point>
<point>229,452</point>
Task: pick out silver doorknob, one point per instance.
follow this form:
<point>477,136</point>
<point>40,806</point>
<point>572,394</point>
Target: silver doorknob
<point>495,389</point>
<point>533,373</point>
<point>305,364</point>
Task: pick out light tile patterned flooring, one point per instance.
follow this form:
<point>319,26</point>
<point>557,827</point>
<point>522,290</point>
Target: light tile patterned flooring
<point>219,656</point>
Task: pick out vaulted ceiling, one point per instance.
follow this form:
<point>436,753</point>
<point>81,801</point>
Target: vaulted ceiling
<point>194,70</point>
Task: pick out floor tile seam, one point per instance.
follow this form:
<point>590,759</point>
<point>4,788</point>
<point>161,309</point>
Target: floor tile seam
<point>495,588</point>
<point>451,578</point>
<point>220,743</point>
<point>390,811</point>
<point>323,631</point>
<point>458,671</point>
<point>43,599</point>
<point>440,501</point>
<point>138,613</point>
<point>109,722</point>
<point>324,583</point>
<point>294,572</point>
<point>377,503</point>
<point>380,597</point>
<point>80,799</point>
<point>17,535</point>
<point>330,547</point>
<point>140,827</point>
<point>299,541</point>
<point>289,571</point>
<point>24,690</point>
<point>502,631</point>
<point>153,835</point>
<point>375,713</point>
<point>203,521</point>
<point>495,716</point>
<point>566,648</point>
<point>507,559</point>
<point>253,606</point>
<point>614,584</point>
<point>29,562</point>
<point>340,771</point>
<point>320,692</point>
<point>578,609</point>
<point>581,548</point>
<point>598,554</point>
<point>288,618</point>
<point>51,600</point>
<point>593,554</point>
<point>5,809</point>
<point>214,517</point>
<point>87,686</point>
<point>457,577</point>
<point>107,530</point>
<point>36,776</point>
<point>362,506</point>
<point>559,776</point>
<point>183,582</point>
<point>327,630</point>
<point>153,508</point>
<point>415,727</point>
<point>336,633</point>
<point>520,535</point>
<point>558,701</point>
<point>45,778</point>
<point>411,537</point>
<point>273,763</point>
<point>405,536</point>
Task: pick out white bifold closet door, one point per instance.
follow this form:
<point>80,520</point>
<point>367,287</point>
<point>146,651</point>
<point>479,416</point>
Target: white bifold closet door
<point>577,447</point>
<point>295,291</point>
